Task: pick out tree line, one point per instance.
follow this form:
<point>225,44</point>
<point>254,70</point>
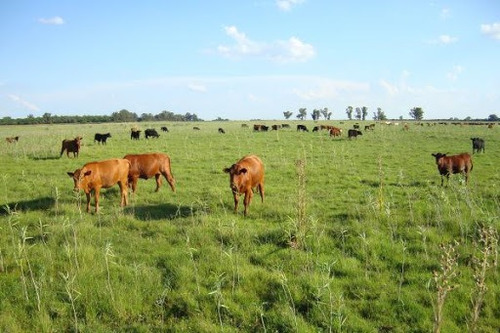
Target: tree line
<point>116,117</point>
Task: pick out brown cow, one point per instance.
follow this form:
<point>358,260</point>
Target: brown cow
<point>102,174</point>
<point>146,166</point>
<point>335,131</point>
<point>447,165</point>
<point>71,146</point>
<point>245,175</point>
<point>12,139</point>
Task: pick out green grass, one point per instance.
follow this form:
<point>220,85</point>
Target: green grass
<point>347,239</point>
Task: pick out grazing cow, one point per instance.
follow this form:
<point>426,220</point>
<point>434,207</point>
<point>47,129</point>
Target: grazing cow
<point>335,131</point>
<point>285,125</point>
<point>196,128</point>
<point>302,128</point>
<point>151,132</point>
<point>101,138</point>
<point>164,128</point>
<point>244,126</point>
<point>355,126</point>
<point>102,174</point>
<point>353,133</point>
<point>447,165</point>
<point>477,145</point>
<point>145,166</point>
<point>12,139</point>
<point>315,128</point>
<point>406,127</point>
<point>245,175</point>
<point>71,146</point>
<point>221,130</point>
<point>135,134</point>
<point>275,127</point>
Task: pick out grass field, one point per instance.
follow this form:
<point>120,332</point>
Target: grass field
<point>353,235</point>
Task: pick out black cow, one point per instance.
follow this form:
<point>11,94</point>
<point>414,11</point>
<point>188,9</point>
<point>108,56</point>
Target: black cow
<point>477,145</point>
<point>221,130</point>
<point>285,125</point>
<point>315,128</point>
<point>164,129</point>
<point>302,128</point>
<point>353,133</point>
<point>135,134</point>
<point>101,138</point>
<point>151,132</point>
<point>196,128</point>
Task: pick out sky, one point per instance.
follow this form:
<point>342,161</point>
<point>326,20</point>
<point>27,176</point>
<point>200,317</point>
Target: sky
<point>250,59</point>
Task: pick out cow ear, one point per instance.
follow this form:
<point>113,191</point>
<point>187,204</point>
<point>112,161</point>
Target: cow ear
<point>71,174</point>
<point>243,170</point>
<point>226,170</point>
<point>87,173</point>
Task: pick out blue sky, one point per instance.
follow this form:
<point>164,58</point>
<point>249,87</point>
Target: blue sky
<point>249,59</point>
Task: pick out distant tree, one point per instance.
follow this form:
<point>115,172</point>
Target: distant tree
<point>348,111</point>
<point>124,116</point>
<point>364,112</point>
<point>326,114</point>
<point>358,113</point>
<point>47,118</point>
<point>302,113</point>
<point>316,114</point>
<point>379,115</point>
<point>287,114</point>
<point>493,117</point>
<point>417,113</point>
<point>147,117</point>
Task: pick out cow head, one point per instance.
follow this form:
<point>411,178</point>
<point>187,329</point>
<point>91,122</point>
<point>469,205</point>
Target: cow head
<point>236,172</point>
<point>438,156</point>
<point>80,178</point>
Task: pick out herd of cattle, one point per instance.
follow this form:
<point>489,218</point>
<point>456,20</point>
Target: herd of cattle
<point>245,175</point>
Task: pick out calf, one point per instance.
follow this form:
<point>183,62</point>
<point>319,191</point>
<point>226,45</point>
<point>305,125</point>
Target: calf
<point>245,175</point>
<point>146,166</point>
<point>151,132</point>
<point>335,131</point>
<point>221,130</point>
<point>302,128</point>
<point>71,146</point>
<point>447,165</point>
<point>353,133</point>
<point>164,128</point>
<point>103,174</point>
<point>135,134</point>
<point>477,145</point>
<point>12,139</point>
<point>101,138</point>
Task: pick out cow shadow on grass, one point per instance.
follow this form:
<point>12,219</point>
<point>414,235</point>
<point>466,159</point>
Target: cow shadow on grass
<point>164,211</point>
<point>375,184</point>
<point>44,158</point>
<point>44,203</point>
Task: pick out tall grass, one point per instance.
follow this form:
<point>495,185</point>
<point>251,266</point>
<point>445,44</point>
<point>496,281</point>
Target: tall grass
<point>347,240</point>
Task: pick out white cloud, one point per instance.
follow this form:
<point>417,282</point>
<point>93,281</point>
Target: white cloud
<point>390,88</point>
<point>197,87</point>
<point>283,51</point>
<point>287,5</point>
<point>445,13</point>
<point>455,72</point>
<point>26,104</point>
<point>56,20</point>
<point>491,30</point>
<point>445,39</point>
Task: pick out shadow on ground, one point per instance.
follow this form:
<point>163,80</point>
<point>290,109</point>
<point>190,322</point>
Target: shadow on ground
<point>160,212</point>
<point>44,203</point>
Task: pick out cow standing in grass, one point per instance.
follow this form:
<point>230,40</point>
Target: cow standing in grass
<point>103,174</point>
<point>477,145</point>
<point>245,175</point>
<point>101,138</point>
<point>448,165</point>
<point>149,165</point>
<point>71,146</point>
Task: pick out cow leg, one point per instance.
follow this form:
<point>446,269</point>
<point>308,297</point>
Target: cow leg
<point>170,180</point>
<point>124,193</point>
<point>88,201</point>
<point>236,200</point>
<point>261,191</point>
<point>133,181</point>
<point>248,198</point>
<point>96,190</point>
<point>158,181</point>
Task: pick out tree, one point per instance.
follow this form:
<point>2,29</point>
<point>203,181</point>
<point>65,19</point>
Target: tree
<point>124,116</point>
<point>47,118</point>
<point>379,115</point>
<point>326,114</point>
<point>147,117</point>
<point>493,117</point>
<point>364,112</point>
<point>302,113</point>
<point>417,113</point>
<point>348,111</point>
<point>358,113</point>
<point>316,114</point>
<point>287,114</point>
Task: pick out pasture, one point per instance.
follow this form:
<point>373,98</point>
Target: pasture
<point>353,235</point>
